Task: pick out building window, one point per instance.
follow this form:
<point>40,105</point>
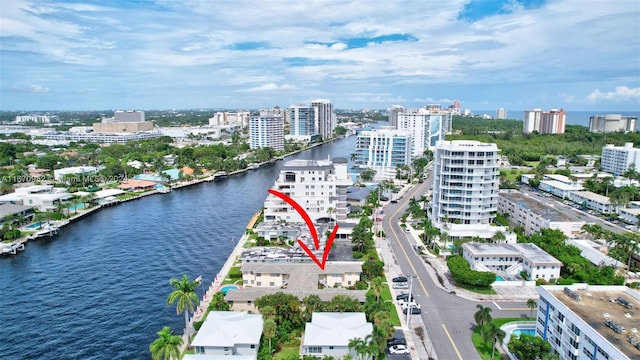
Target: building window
<point>315,349</point>
<point>253,346</point>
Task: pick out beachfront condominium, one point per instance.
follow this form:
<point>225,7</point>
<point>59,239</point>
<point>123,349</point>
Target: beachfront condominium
<point>544,122</point>
<point>589,322</point>
<point>302,121</point>
<point>427,126</point>
<point>465,188</point>
<point>393,115</point>
<point>325,117</point>
<point>383,150</point>
<point>618,159</point>
<point>267,129</point>
<point>501,113</point>
<point>319,186</point>
<point>612,123</point>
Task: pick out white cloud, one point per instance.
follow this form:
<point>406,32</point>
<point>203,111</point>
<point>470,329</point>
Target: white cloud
<point>268,87</point>
<point>621,93</point>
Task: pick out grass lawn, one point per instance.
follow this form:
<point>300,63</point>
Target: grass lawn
<point>484,349</point>
<point>287,352</point>
<point>386,297</point>
<point>479,290</point>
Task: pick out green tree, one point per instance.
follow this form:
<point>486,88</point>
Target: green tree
<point>498,237</point>
<point>377,285</point>
<point>184,294</point>
<point>166,346</point>
<point>482,317</point>
<point>494,335</point>
<point>527,347</point>
<point>269,330</point>
<point>360,346</point>
<point>532,304</point>
<point>218,303</point>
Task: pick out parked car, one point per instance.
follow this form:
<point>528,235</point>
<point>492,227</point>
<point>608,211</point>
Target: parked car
<point>400,285</point>
<point>413,304</point>
<point>399,279</point>
<point>398,349</point>
<point>396,341</point>
<point>404,296</point>
<point>414,310</point>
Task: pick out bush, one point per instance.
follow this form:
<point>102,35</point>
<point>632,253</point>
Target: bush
<point>462,273</point>
<point>361,285</point>
<point>634,285</point>
<point>198,324</point>
<point>357,255</point>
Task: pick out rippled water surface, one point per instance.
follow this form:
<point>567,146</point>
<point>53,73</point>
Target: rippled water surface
<point>98,289</point>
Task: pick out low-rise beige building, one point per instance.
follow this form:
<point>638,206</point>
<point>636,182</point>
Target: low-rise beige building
<point>335,274</point>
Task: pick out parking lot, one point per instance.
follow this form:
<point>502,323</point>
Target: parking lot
<point>398,334</point>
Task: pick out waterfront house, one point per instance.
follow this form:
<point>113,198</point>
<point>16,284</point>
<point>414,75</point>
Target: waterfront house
<point>328,334</point>
<point>24,212</point>
<point>136,185</point>
<point>44,197</point>
<point>235,335</point>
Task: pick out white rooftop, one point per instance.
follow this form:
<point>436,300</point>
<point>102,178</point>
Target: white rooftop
<point>227,328</point>
<point>101,194</point>
<point>594,197</point>
<point>335,329</point>
<point>560,185</point>
<point>528,251</point>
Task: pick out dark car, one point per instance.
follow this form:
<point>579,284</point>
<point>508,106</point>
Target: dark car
<point>399,279</point>
<point>404,296</point>
<point>413,311</point>
<point>396,341</point>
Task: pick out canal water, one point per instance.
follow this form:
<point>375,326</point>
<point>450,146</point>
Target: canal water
<point>98,290</point>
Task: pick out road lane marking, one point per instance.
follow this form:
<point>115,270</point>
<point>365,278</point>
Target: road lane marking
<point>455,348</point>
<point>498,306</point>
<point>402,247</point>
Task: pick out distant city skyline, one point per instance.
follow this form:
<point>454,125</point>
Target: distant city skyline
<point>158,54</point>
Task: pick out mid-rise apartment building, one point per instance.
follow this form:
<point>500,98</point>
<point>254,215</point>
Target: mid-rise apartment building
<point>612,123</point>
<point>512,259</point>
<point>544,122</point>
<point>618,159</point>
<point>267,129</point>
<point>589,322</point>
<point>45,119</point>
<point>240,119</point>
<point>325,117</point>
<point>383,150</point>
<point>319,186</point>
<point>302,120</point>
<point>465,183</point>
<point>393,115</point>
<point>535,215</point>
<point>426,126</point>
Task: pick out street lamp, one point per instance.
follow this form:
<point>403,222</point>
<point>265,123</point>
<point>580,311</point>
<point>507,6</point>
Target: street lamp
<point>410,300</point>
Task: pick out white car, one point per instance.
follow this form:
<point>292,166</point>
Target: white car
<point>400,285</point>
<point>413,305</point>
<point>398,349</point>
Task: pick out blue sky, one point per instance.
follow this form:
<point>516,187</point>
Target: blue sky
<point>235,54</point>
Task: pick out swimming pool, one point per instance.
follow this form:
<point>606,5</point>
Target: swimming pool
<point>499,278</point>
<point>36,225</point>
<point>76,207</point>
<point>225,289</point>
<point>530,332</point>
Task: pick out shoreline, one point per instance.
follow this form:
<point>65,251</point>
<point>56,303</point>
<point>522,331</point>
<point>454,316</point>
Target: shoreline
<point>18,245</point>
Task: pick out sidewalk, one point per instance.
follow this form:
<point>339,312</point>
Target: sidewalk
<point>420,345</point>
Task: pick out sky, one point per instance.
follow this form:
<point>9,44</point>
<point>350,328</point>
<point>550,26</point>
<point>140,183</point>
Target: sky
<point>578,55</point>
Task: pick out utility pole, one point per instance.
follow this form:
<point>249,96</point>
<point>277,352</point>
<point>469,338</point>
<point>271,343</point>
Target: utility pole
<point>409,302</point>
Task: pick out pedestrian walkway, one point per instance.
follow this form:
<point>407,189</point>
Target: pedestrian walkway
<point>415,333</point>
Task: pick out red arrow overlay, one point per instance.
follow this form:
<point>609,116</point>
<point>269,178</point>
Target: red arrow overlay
<point>312,229</point>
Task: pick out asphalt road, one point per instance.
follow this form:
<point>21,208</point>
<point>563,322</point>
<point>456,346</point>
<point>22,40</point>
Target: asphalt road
<point>448,318</point>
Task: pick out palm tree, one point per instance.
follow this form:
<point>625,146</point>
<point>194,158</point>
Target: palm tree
<point>532,304</point>
<point>376,286</point>
<point>166,346</point>
<point>498,237</point>
<point>267,312</point>
<point>494,335</point>
<point>330,211</point>
<point>269,330</point>
<point>360,346</point>
<point>184,293</point>
<point>482,316</point>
